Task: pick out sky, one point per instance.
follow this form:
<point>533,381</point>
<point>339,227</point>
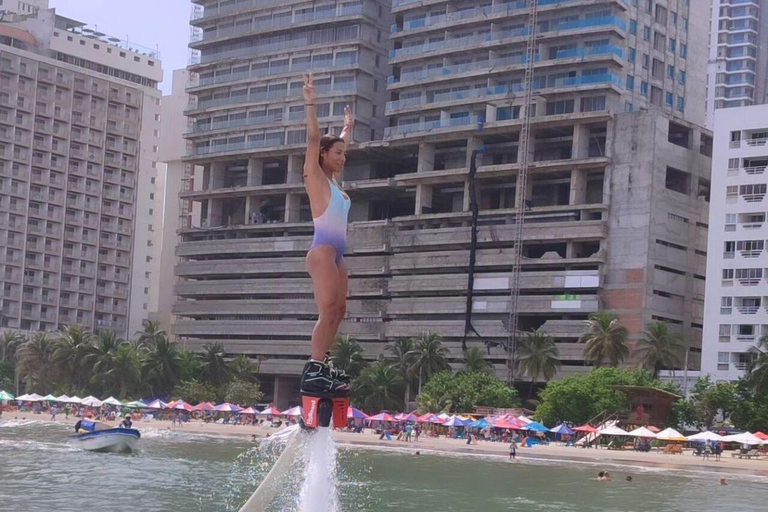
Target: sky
<point>162,24</point>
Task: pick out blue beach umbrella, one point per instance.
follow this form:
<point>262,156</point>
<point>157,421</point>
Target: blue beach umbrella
<point>536,426</point>
<point>482,423</point>
<point>562,429</point>
<point>455,422</point>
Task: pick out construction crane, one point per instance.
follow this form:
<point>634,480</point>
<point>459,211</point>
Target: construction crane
<point>522,186</point>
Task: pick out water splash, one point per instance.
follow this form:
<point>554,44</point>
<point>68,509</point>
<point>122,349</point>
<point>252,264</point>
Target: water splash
<point>319,490</point>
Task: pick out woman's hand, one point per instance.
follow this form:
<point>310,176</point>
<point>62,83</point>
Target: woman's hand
<point>309,89</point>
<point>349,120</point>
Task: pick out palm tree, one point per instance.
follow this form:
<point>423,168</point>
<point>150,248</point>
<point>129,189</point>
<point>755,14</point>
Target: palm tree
<point>105,346</point>
<point>758,368</point>
<point>214,368</point>
<point>9,343</point>
<point>242,368</point>
<point>35,359</point>
<point>347,355</point>
<point>74,355</point>
<point>660,348</point>
<point>429,356</point>
<point>606,339</point>
<point>161,365</point>
<point>475,361</point>
<point>403,358</point>
<point>151,333</point>
<point>189,365</point>
<point>380,386</point>
<point>537,355</point>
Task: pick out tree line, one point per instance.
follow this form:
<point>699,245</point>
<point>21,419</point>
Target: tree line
<point>76,361</point>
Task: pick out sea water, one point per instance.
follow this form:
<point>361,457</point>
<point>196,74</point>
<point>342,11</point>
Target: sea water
<point>175,471</point>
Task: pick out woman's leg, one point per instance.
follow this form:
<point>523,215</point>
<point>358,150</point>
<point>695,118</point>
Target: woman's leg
<point>340,307</point>
<point>325,280</point>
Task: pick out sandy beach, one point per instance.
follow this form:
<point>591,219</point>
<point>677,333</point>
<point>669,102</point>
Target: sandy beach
<point>553,452</point>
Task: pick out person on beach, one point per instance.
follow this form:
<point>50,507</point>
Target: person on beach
<point>126,423</point>
<point>512,450</point>
<point>329,204</point>
<point>54,411</point>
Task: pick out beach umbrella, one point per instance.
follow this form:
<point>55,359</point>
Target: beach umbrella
<point>356,414</point>
<point>400,416</point>
<point>249,410</point>
<point>613,431</point>
<point>34,397</point>
<point>587,429</point>
<point>227,407</point>
<point>411,418</point>
<point>643,432</point>
<point>524,419</point>
<point>430,418</point>
<point>157,404</point>
<point>181,405</point>
<point>136,404</point>
<point>49,398</point>
<point>91,401</point>
<point>761,435</point>
<point>382,416</point>
<point>455,422</point>
<point>204,406</point>
<point>536,426</point>
<point>481,423</point>
<point>562,429</point>
<point>744,438</point>
<point>112,401</point>
<point>444,416</point>
<point>670,434</point>
<point>705,436</point>
<point>4,395</point>
<point>171,404</point>
<point>270,411</point>
<point>22,398</point>
<point>75,400</point>
<point>506,423</point>
<point>293,411</point>
<point>63,399</point>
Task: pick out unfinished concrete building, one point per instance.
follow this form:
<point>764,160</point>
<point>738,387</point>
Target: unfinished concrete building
<point>615,195</point>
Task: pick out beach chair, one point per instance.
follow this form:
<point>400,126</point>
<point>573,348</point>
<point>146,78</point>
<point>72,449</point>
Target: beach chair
<point>751,454</point>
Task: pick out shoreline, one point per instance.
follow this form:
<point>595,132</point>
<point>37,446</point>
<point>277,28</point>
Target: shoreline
<point>551,454</point>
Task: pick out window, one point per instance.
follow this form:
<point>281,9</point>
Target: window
<point>727,274</point>
<point>677,180</point>
<point>632,54</point>
<point>633,27</point>
<point>646,60</point>
<point>723,361</point>
<point>680,104</point>
<point>646,33</point>
<point>628,107</point>
<point>593,104</point>
<point>630,82</point>
<point>644,88</point>
<point>730,222</point>
<point>683,50</point>
<point>726,305</point>
<point>681,77</point>
<point>670,71</point>
<point>669,99</point>
<point>672,44</point>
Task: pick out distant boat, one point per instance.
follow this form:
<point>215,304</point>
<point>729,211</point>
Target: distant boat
<point>97,436</point>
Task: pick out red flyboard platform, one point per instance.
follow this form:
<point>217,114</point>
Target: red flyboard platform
<point>320,412</point>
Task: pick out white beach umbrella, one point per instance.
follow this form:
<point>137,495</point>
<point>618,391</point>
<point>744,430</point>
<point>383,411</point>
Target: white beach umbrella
<point>525,419</point>
<point>744,438</point>
<point>293,411</point>
<point>34,397</point>
<point>670,434</point>
<point>613,431</point>
<point>705,436</point>
<point>643,432</point>
<point>75,400</point>
<point>91,401</point>
<point>63,399</point>
<point>112,401</point>
<point>22,398</point>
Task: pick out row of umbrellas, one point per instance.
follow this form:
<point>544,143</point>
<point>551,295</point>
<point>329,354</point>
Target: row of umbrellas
<point>671,434</point>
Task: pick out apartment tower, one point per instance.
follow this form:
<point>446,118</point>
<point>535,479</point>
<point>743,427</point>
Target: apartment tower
<point>79,119</point>
<point>614,180</point>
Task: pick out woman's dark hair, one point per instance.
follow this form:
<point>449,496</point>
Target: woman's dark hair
<point>326,143</point>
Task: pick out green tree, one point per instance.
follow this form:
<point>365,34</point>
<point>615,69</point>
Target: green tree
<point>659,349</point>
<point>429,356</point>
<point>214,369</point>
<point>758,368</point>
<point>475,361</point>
<point>243,369</point>
<point>347,355</point>
<point>74,356</point>
<point>190,365</point>
<point>104,346</point>
<point>403,359</point>
<point>538,356</point>
<point>35,360</point>
<point>243,393</point>
<point>124,374</point>
<point>463,391</point>
<point>708,401</point>
<point>580,398</point>
<point>151,333</point>
<point>750,408</point>
<point>194,391</point>
<point>9,343</point>
<point>162,364</point>
<point>379,387</point>
<point>605,340</point>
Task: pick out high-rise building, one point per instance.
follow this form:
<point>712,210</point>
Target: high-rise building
<point>170,173</point>
<point>738,60</point>
<point>736,309</point>
<point>79,119</point>
<point>585,121</point>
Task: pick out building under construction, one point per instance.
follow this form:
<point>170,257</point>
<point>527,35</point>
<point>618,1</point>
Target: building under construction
<point>591,178</point>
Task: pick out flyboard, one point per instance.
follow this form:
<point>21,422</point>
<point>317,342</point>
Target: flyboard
<point>318,411</point>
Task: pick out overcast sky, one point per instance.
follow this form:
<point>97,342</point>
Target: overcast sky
<point>162,24</point>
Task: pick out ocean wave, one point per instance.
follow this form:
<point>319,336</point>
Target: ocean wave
<point>20,423</point>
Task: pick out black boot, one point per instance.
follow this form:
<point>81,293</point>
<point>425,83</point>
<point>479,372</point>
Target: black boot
<point>336,373</point>
<point>316,379</point>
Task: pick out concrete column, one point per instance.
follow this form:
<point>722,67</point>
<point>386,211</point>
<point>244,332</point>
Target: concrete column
<point>215,212</point>
<point>426,157</point>
<point>578,193</point>
<point>580,148</point>
<point>473,143</point>
<point>216,179</point>
<point>423,198</point>
<point>255,172</point>
<point>277,395</point>
<point>531,147</point>
<point>295,172</point>
<point>292,207</point>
